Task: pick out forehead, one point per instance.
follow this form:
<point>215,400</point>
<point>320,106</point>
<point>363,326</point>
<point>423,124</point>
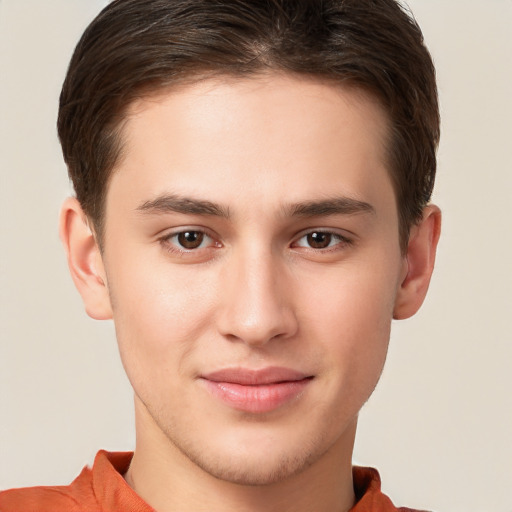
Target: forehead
<point>271,136</point>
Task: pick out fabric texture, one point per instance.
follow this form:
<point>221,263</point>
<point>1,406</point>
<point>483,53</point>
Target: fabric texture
<point>103,489</point>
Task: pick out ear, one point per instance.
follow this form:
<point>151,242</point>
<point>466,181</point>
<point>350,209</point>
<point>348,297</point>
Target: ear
<point>84,260</point>
<point>418,264</point>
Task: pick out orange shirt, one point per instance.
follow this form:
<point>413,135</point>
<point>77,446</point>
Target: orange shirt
<point>103,489</point>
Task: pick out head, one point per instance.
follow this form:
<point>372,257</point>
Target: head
<point>136,48</point>
<point>252,182</point>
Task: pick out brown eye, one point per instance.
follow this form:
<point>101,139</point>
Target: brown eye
<point>322,241</point>
<point>190,239</point>
<point>319,240</point>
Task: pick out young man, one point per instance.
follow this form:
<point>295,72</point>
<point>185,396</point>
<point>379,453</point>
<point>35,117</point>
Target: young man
<point>252,184</point>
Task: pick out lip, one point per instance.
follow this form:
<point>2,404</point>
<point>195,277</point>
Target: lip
<point>256,391</point>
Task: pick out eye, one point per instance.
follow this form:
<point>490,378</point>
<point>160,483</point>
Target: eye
<point>188,240</point>
<point>321,240</point>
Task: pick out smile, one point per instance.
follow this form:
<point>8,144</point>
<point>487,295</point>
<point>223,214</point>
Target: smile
<point>257,391</point>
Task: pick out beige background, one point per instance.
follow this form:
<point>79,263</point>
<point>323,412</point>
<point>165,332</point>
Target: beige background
<point>439,426</point>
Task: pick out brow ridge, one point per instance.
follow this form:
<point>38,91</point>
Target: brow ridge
<point>331,206</point>
<point>172,203</point>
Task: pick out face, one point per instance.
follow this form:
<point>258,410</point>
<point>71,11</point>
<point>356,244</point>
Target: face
<point>252,260</point>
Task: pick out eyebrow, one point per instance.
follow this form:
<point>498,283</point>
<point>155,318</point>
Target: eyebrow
<point>171,203</point>
<point>332,206</point>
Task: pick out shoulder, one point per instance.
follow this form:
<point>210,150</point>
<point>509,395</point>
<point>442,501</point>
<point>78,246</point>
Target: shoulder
<point>76,497</point>
<point>369,496</point>
<point>42,499</point>
<point>99,488</point>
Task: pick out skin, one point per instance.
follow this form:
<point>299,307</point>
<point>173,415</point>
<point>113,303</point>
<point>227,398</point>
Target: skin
<point>261,290</point>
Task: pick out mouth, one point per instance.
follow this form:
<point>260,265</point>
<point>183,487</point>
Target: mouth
<point>256,391</point>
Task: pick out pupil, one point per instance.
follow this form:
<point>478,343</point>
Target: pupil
<point>190,239</point>
<point>319,240</point>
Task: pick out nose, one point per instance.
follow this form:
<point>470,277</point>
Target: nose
<point>256,301</point>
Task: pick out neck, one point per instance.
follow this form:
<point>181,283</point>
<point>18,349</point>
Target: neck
<point>168,481</point>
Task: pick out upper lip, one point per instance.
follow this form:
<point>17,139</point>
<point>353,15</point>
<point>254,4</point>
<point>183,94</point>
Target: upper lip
<point>249,377</point>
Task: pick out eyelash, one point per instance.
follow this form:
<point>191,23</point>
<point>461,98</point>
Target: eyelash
<point>342,241</point>
<point>174,248</point>
<point>166,241</point>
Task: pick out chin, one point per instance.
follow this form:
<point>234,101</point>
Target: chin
<point>253,471</point>
<point>255,458</point>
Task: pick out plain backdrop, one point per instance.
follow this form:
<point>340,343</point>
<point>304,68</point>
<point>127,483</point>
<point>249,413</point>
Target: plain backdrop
<point>438,427</point>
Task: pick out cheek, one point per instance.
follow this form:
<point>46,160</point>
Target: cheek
<point>351,319</point>
<point>158,314</point>
<point>354,299</point>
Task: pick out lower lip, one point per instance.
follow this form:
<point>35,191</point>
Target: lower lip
<point>259,398</point>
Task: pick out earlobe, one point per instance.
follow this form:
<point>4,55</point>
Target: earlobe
<point>418,264</point>
<point>84,260</point>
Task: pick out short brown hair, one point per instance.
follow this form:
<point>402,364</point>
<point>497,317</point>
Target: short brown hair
<point>137,47</point>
